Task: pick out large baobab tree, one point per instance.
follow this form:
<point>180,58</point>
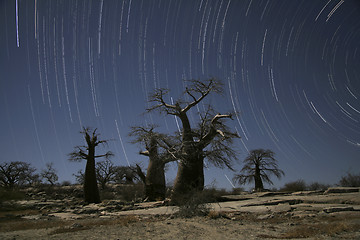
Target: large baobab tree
<point>91,191</point>
<point>154,179</point>
<point>194,143</point>
<point>259,165</point>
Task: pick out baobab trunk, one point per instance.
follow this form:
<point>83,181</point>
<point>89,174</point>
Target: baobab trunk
<point>155,181</point>
<point>91,190</point>
<point>189,178</point>
<point>190,175</point>
<point>258,182</point>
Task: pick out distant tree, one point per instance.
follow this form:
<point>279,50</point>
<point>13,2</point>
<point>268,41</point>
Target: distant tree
<point>105,172</point>
<point>125,174</point>
<point>49,174</point>
<point>87,153</point>
<point>32,179</point>
<point>154,178</point>
<point>16,174</point>
<point>192,151</point>
<point>295,186</point>
<point>350,180</point>
<point>259,165</point>
<point>79,177</point>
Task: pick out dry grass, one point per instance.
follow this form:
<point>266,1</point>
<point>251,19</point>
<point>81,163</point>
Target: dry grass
<point>89,223</point>
<point>23,224</point>
<point>311,230</point>
<point>63,225</point>
<point>323,226</point>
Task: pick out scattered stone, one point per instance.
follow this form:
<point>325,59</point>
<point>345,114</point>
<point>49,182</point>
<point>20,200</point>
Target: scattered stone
<point>76,225</point>
<point>338,209</point>
<point>304,193</point>
<point>282,207</point>
<point>266,216</point>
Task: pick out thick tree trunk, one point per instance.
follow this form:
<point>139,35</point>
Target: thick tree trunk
<point>258,182</point>
<point>189,179</point>
<point>91,190</point>
<point>190,175</point>
<point>155,180</point>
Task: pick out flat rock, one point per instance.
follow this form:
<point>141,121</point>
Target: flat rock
<point>282,207</point>
<point>342,190</point>
<point>67,216</point>
<point>338,209</point>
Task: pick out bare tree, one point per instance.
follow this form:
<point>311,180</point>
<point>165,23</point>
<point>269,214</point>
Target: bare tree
<point>16,173</point>
<point>154,179</point>
<point>192,153</point>
<point>87,153</point>
<point>49,174</point>
<point>105,172</point>
<point>259,165</point>
<point>79,177</point>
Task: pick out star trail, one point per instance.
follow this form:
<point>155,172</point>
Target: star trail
<point>291,70</point>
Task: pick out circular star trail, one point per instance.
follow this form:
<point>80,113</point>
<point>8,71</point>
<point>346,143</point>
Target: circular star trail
<point>289,68</point>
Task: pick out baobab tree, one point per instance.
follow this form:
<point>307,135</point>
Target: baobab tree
<point>154,179</point>
<point>192,150</point>
<point>259,165</point>
<point>91,190</point>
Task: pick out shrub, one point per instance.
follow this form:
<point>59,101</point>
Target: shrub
<point>295,186</point>
<point>236,191</point>
<point>130,192</point>
<point>107,195</point>
<point>65,183</point>
<point>318,186</point>
<point>8,194</point>
<point>350,180</point>
<point>195,204</point>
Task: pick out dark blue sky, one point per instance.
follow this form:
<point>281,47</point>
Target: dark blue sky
<point>291,68</point>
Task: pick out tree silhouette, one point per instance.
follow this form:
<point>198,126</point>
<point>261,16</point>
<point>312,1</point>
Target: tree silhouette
<point>259,165</point>
<point>105,172</point>
<point>91,191</point>
<point>49,174</point>
<point>16,173</point>
<point>192,150</point>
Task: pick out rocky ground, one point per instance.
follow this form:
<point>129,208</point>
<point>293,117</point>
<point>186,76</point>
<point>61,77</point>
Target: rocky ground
<point>333,214</point>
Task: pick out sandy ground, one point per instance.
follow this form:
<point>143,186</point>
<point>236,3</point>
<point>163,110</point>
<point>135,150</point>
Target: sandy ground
<point>216,226</point>
<point>331,216</point>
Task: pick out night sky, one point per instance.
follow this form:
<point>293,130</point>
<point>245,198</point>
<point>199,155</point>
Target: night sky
<point>291,69</point>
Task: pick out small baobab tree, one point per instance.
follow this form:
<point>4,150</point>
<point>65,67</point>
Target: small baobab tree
<point>259,165</point>
<point>87,152</point>
<point>157,149</point>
